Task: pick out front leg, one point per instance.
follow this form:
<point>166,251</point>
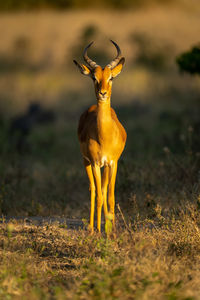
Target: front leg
<point>88,169</point>
<point>97,178</point>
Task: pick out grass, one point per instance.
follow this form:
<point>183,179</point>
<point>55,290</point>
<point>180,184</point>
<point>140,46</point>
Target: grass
<point>157,259</point>
<point>155,252</point>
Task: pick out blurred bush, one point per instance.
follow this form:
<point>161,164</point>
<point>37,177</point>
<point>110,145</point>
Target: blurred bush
<point>190,61</point>
<point>153,54</point>
<point>60,4</point>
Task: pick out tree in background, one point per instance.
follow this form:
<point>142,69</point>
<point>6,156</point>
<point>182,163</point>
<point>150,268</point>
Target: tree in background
<point>190,61</point>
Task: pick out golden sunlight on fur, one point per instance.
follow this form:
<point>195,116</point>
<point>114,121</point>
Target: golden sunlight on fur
<point>102,137</point>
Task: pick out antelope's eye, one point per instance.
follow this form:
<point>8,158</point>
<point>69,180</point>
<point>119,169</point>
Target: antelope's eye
<point>94,79</point>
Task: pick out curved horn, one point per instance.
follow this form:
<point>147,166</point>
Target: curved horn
<point>90,62</point>
<point>115,61</point>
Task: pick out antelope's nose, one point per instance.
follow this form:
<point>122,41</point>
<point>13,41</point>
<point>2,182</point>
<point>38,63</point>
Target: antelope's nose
<point>103,93</point>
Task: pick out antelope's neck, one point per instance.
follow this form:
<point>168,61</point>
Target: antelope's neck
<point>104,120</point>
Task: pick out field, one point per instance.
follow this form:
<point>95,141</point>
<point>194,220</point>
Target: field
<point>155,253</point>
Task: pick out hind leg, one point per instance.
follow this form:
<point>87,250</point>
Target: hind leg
<point>111,190</point>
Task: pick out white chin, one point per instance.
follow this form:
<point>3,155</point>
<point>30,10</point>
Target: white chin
<point>103,99</point>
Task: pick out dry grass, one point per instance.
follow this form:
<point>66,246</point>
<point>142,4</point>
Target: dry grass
<point>148,260</point>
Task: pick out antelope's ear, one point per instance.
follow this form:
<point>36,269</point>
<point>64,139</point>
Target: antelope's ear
<point>116,70</point>
<point>84,70</point>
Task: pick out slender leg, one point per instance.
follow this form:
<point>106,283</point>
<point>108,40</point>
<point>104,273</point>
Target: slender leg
<point>111,190</point>
<point>88,169</point>
<point>104,187</point>
<point>97,177</point>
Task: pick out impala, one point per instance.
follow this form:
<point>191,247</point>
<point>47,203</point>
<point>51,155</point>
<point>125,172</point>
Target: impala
<point>102,137</point>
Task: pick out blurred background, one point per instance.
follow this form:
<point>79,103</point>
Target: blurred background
<point>42,95</point>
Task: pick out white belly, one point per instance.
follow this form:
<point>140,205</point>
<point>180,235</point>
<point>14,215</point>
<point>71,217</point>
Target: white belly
<point>102,162</point>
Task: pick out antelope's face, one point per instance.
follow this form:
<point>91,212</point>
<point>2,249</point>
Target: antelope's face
<point>102,78</point>
<point>102,82</point>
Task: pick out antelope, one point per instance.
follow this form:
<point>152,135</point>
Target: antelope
<point>101,136</point>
